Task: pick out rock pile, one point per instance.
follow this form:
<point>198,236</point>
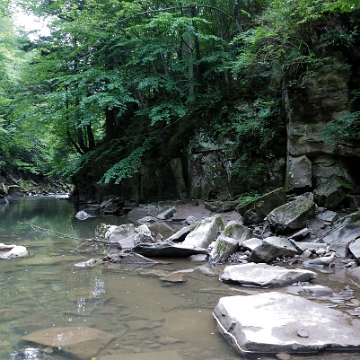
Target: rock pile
<point>281,243</point>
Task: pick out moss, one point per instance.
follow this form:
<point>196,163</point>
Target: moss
<point>219,222</point>
<point>247,198</point>
<point>221,246</point>
<point>346,185</point>
<point>229,230</point>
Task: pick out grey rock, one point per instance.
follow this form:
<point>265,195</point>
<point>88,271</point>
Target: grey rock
<point>256,210</point>
<point>272,321</point>
<point>146,219</point>
<point>124,235</point>
<point>298,173</point>
<point>263,275</point>
<point>191,220</point>
<point>354,248</point>
<point>229,240</point>
<point>328,216</point>
<point>16,251</point>
<point>313,290</point>
<point>82,215</point>
<point>206,231</point>
<point>81,342</point>
<point>331,193</point>
<point>291,216</point>
<point>345,230</point>
<point>300,234</point>
<point>167,214</point>
<point>252,243</point>
<point>322,261</point>
<point>182,233</point>
<point>223,248</point>
<point>271,248</point>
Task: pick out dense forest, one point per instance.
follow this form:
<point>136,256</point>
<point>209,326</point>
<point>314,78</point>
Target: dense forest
<point>116,82</point>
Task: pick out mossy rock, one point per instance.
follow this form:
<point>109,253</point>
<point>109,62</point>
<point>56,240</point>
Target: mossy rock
<point>256,210</point>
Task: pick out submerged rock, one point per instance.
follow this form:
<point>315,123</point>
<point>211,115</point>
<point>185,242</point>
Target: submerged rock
<point>272,323</point>
<point>82,342</point>
<point>263,275</point>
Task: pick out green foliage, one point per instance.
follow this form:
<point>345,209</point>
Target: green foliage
<point>117,80</point>
<point>126,167</point>
<point>245,198</point>
<point>345,127</point>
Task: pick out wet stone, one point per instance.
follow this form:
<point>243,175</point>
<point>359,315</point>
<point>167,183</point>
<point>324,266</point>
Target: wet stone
<point>303,333</point>
<point>283,356</point>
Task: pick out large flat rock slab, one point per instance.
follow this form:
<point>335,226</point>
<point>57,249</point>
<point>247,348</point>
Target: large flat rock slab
<point>273,322</point>
<point>82,342</point>
<point>264,275</point>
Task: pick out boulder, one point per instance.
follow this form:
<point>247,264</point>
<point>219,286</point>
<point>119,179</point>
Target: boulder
<point>228,241</point>
<point>256,210</point>
<point>345,230</point>
<point>123,235</point>
<point>83,215</point>
<point>331,193</point>
<point>354,248</point>
<point>274,322</point>
<point>237,231</point>
<point>206,231</point>
<point>182,233</point>
<point>13,251</point>
<point>328,216</point>
<point>291,216</point>
<point>143,235</point>
<point>223,248</point>
<point>271,248</point>
<point>252,243</point>
<point>81,342</point>
<point>263,275</point>
<point>190,220</point>
<point>298,173</point>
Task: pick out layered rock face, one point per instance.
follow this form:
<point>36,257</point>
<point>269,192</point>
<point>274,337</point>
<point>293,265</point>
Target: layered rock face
<point>310,106</point>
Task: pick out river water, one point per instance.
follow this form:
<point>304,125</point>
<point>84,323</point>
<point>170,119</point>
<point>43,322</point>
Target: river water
<point>143,313</point>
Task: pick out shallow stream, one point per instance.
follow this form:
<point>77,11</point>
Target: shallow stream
<point>143,313</point>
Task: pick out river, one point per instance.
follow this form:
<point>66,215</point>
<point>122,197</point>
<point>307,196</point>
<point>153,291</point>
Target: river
<point>143,313</point>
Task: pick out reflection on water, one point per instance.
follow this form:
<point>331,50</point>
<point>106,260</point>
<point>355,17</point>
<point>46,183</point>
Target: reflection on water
<point>142,313</point>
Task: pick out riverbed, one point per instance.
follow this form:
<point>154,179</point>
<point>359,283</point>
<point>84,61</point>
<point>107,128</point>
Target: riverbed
<point>143,313</point>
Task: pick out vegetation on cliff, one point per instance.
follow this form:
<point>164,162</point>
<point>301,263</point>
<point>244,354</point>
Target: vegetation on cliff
<point>119,81</point>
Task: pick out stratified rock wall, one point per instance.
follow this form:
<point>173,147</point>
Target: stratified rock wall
<point>311,105</point>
